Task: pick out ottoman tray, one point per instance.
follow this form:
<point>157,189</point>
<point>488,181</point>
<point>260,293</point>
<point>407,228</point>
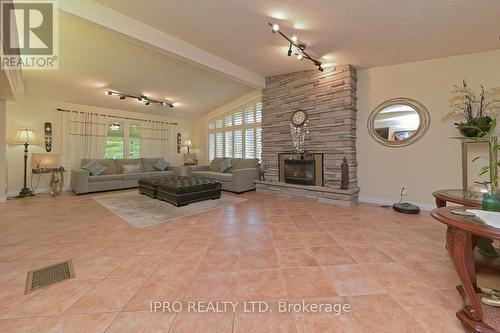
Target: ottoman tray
<point>148,186</point>
<point>181,191</point>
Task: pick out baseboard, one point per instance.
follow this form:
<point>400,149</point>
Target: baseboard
<point>37,191</point>
<point>390,202</point>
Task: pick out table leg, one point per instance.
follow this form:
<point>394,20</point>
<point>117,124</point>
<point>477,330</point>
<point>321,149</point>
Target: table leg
<point>459,244</point>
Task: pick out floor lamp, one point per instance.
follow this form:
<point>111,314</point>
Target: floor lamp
<point>25,137</point>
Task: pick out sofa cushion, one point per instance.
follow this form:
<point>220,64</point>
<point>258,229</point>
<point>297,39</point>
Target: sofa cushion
<point>95,168</point>
<point>161,165</point>
<point>131,168</point>
<point>121,162</point>
<point>225,165</point>
<point>104,178</point>
<point>147,164</point>
<point>215,164</point>
<point>162,173</point>
<point>246,163</point>
<point>136,176</point>
<point>109,164</point>
<point>223,177</point>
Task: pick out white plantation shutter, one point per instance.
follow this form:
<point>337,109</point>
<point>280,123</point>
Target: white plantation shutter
<point>258,112</point>
<point>229,144</point>
<point>211,146</point>
<point>258,143</point>
<point>237,133</point>
<point>238,144</point>
<point>249,114</point>
<point>219,144</point>
<point>250,143</point>
<point>238,118</point>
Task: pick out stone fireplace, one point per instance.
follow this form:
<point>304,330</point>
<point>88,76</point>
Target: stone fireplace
<point>329,98</point>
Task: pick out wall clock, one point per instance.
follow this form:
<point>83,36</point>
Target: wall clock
<point>299,118</point>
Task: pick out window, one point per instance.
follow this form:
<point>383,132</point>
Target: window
<point>123,141</point>
<point>237,133</point>
<point>114,141</point>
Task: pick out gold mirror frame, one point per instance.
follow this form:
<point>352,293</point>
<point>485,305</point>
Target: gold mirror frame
<point>422,112</point>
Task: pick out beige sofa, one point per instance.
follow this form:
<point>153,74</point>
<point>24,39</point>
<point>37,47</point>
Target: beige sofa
<point>113,177</point>
<point>240,177</point>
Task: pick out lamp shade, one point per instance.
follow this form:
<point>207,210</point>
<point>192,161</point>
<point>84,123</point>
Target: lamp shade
<point>188,143</point>
<point>26,136</point>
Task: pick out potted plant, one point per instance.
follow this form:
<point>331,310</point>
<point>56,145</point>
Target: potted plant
<point>476,109</point>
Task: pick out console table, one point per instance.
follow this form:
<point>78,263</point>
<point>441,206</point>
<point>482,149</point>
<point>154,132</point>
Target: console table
<point>461,237</point>
<point>56,181</point>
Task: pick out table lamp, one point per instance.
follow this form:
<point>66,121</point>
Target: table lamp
<point>25,137</point>
<point>188,144</point>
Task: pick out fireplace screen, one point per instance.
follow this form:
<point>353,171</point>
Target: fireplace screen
<point>301,172</point>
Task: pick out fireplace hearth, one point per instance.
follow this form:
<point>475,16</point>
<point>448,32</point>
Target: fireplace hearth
<point>300,172</point>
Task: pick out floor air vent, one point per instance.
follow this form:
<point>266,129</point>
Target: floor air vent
<point>46,276</point>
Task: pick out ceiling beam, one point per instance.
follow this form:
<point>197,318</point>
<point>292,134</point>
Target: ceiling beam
<point>160,41</point>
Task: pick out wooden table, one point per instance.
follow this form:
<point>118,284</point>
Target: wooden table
<point>461,237</point>
<point>461,197</point>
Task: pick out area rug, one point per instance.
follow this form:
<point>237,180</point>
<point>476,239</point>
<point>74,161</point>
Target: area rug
<point>141,211</point>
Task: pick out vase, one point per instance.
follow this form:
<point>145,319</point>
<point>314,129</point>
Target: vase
<point>490,202</point>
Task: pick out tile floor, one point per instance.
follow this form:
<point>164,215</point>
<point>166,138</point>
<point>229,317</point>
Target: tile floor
<point>392,269</point>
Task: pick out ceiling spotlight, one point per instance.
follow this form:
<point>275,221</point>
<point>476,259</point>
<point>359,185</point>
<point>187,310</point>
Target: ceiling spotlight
<point>299,47</point>
<point>140,99</point>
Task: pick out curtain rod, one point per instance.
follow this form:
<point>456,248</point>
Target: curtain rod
<point>118,117</point>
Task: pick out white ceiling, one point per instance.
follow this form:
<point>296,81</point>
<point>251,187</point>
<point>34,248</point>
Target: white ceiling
<point>365,33</point>
<point>93,59</point>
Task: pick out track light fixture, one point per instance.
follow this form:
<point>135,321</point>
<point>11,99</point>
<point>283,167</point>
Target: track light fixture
<point>142,98</point>
<point>298,47</point>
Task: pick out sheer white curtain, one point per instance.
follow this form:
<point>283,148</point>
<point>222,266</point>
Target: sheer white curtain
<point>156,139</point>
<point>84,137</point>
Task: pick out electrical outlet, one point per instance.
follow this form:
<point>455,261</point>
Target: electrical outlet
<point>403,191</point>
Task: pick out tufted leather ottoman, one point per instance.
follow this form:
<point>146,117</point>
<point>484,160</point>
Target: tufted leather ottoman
<point>181,191</point>
<point>148,186</point>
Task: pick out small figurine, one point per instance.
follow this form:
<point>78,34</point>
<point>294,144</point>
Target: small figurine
<point>344,183</point>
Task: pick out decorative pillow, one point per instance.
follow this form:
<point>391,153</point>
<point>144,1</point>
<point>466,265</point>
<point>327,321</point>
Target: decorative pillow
<point>161,165</point>
<point>225,165</point>
<point>215,165</point>
<point>94,168</point>
<point>131,168</point>
<point>246,163</point>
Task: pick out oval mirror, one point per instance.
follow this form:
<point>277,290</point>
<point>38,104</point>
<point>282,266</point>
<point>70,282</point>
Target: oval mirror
<point>398,122</point>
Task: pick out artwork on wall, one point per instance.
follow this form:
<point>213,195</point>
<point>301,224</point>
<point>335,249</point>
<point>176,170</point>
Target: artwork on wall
<point>47,127</point>
<point>179,137</point>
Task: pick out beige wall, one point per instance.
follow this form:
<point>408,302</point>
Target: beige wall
<point>200,136</point>
<point>33,112</point>
<point>3,147</point>
<point>434,162</point>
